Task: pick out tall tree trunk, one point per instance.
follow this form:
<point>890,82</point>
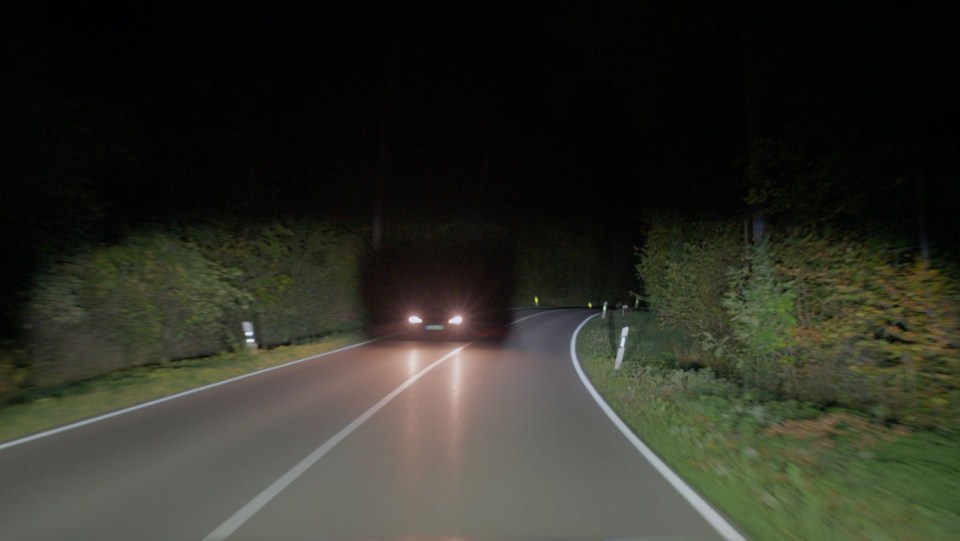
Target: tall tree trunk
<point>919,161</point>
<point>384,162</point>
<point>752,73</point>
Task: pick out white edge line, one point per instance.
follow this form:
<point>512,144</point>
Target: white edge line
<point>535,315</point>
<point>253,506</point>
<point>720,524</point>
<point>105,416</point>
<point>154,402</point>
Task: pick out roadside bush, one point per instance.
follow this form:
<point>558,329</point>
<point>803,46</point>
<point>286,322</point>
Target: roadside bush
<point>684,269</point>
<point>815,316</point>
<point>12,372</point>
<point>760,306</point>
<point>783,469</point>
<point>157,297</point>
<point>878,328</point>
<point>302,278</point>
<point>152,298</point>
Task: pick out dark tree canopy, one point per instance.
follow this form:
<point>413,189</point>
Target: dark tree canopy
<point>122,115</point>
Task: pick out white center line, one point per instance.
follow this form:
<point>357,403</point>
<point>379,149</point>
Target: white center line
<point>257,503</point>
<point>240,517</point>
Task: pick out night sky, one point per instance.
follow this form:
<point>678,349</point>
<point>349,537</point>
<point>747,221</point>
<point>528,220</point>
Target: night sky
<point>124,114</point>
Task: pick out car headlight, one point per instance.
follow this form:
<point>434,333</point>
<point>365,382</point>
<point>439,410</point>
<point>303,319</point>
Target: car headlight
<point>456,320</point>
<point>414,319</point>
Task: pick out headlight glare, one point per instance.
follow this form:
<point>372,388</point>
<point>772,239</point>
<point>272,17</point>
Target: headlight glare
<point>414,319</point>
<point>456,320</point>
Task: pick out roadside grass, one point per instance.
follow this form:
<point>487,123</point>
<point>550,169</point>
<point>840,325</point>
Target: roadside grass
<point>778,470</point>
<point>44,409</point>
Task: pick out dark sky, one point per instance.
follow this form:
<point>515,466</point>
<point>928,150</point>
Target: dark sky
<point>175,110</point>
<point>551,105</point>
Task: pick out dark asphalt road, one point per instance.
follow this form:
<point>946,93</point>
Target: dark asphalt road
<point>499,440</point>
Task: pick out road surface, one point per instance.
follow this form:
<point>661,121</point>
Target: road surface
<point>392,439</point>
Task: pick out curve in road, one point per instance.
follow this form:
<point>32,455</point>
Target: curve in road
<point>391,439</point>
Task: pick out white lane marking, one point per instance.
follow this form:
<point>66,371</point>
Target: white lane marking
<point>116,413</point>
<point>105,416</point>
<point>253,506</point>
<point>724,528</point>
<point>259,501</point>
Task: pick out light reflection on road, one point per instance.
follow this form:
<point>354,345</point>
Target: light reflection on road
<point>426,453</point>
<point>410,434</point>
<point>413,362</point>
<point>455,420</point>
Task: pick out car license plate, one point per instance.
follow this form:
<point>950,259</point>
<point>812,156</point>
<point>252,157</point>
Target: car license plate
<point>434,327</point>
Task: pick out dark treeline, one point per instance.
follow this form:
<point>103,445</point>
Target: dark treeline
<point>558,129</point>
<point>160,295</point>
<point>128,115</point>
<point>157,116</point>
<point>835,279</point>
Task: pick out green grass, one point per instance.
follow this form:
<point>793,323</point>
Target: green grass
<point>50,408</point>
<point>778,470</point>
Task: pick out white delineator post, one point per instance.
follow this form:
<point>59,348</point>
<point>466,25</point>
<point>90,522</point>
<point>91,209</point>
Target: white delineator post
<point>604,316</point>
<point>623,344</point>
<point>248,335</point>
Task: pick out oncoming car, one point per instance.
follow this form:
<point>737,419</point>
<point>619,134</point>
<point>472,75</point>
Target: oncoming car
<point>439,290</point>
<point>437,321</point>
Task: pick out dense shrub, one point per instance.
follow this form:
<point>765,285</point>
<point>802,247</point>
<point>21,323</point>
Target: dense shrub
<point>815,316</point>
<point>156,297</point>
<point>302,277</point>
<point>150,299</point>
<point>684,270</point>
<point>760,304</point>
<point>12,371</point>
<point>877,327</point>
